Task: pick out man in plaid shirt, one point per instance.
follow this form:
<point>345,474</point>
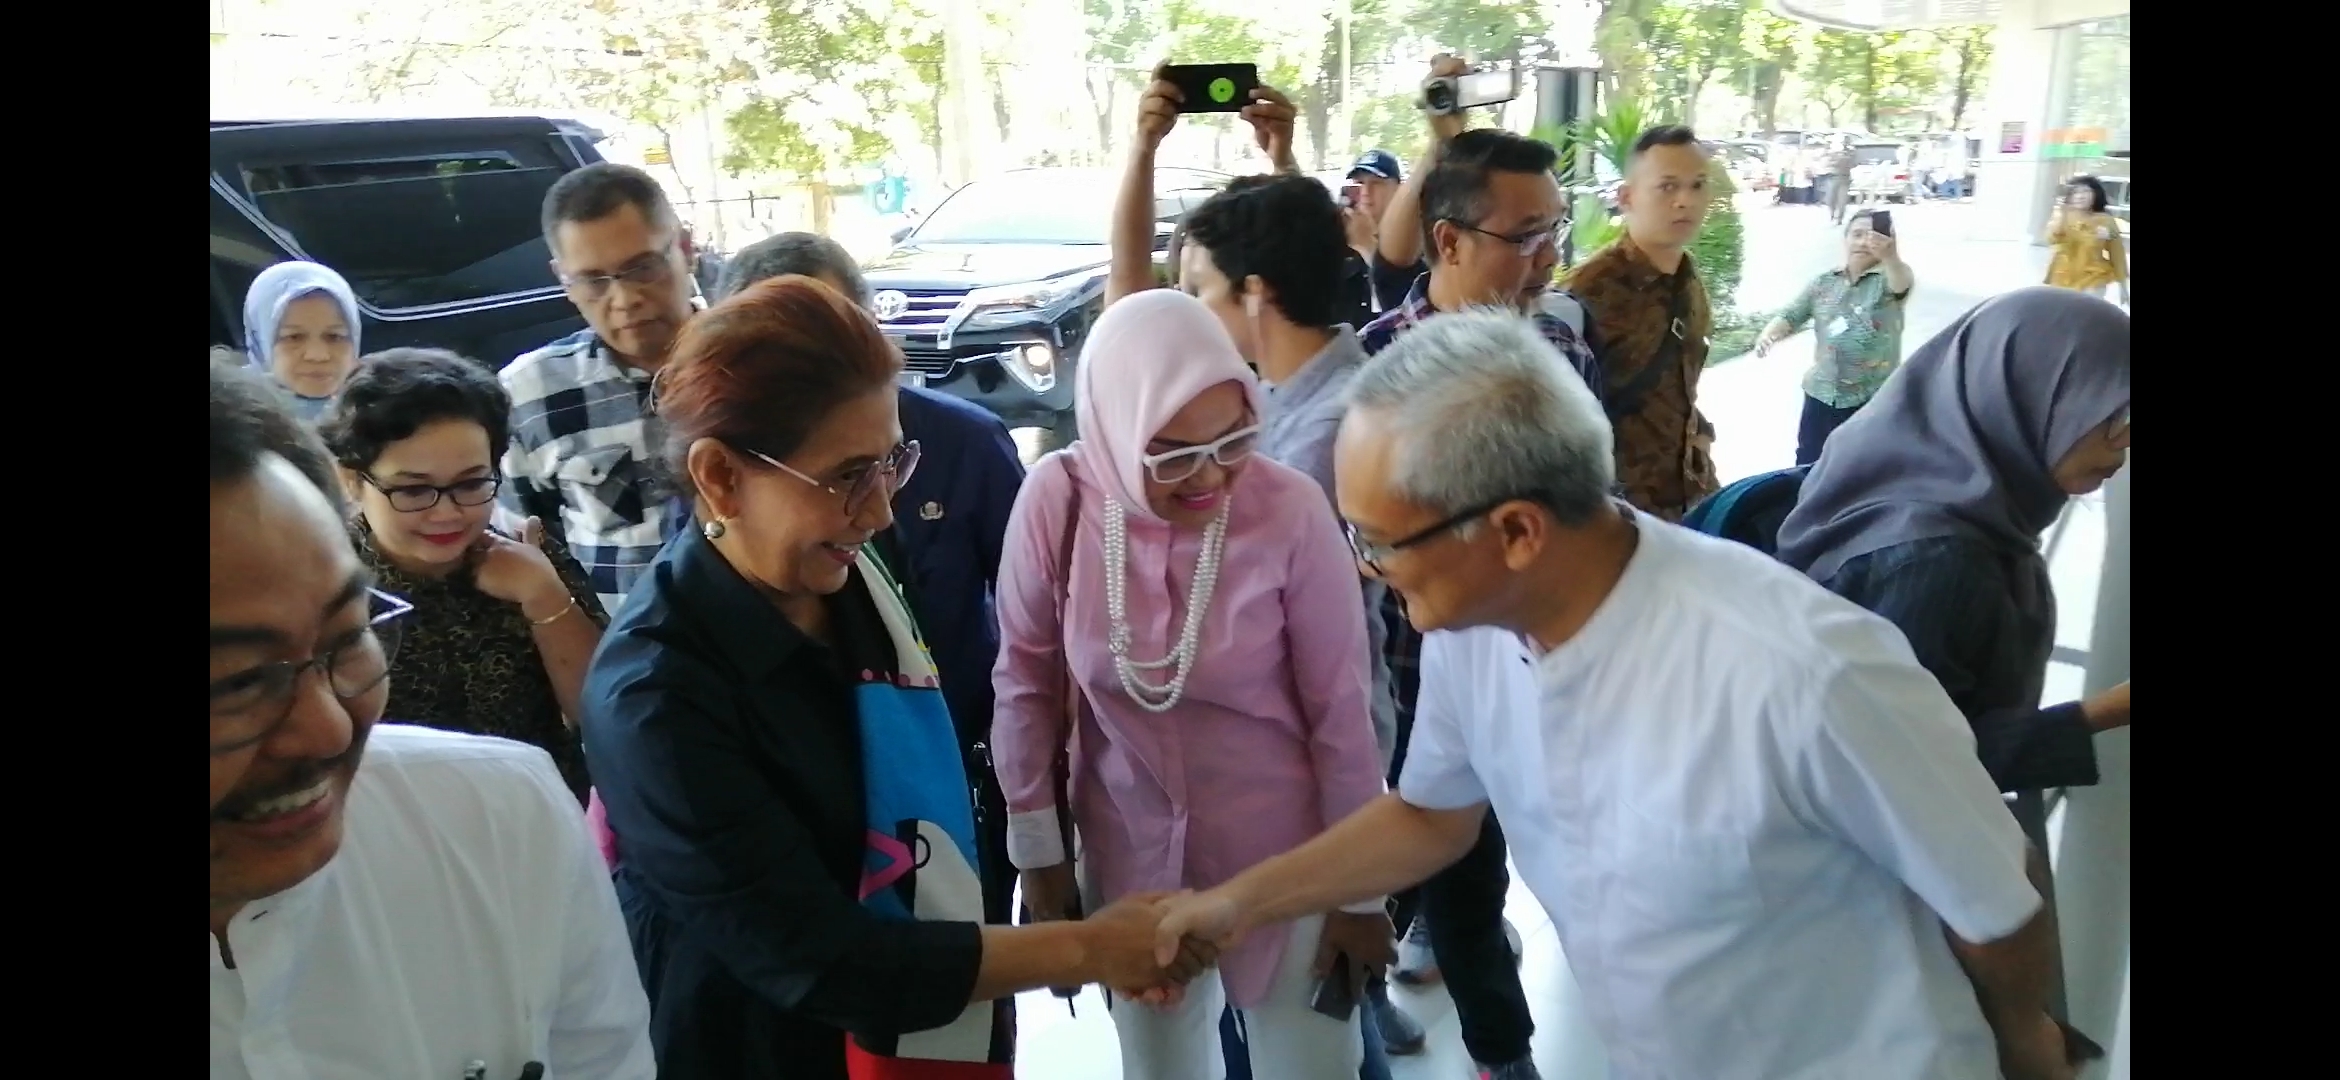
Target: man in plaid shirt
<point>1492,213</point>
<point>585,441</point>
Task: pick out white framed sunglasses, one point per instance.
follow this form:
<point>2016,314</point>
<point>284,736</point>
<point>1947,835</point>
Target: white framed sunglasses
<point>1179,464</point>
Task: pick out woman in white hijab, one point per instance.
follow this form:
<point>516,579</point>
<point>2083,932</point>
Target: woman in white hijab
<point>301,327</point>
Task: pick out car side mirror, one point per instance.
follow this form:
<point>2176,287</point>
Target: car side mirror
<point>901,233</point>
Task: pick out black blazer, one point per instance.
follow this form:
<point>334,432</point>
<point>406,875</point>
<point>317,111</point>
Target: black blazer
<point>726,749</point>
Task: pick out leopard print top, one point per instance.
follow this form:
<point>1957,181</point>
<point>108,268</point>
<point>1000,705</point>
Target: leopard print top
<point>468,662</point>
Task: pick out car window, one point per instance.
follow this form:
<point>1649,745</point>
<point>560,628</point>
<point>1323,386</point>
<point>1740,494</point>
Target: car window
<point>1022,212</point>
<point>415,232</point>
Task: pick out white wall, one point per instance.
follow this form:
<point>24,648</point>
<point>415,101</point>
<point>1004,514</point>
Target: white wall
<point>2066,12</point>
<point>2012,190</point>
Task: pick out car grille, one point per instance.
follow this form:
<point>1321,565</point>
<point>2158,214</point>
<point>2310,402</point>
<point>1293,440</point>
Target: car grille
<point>927,310</point>
<point>929,362</point>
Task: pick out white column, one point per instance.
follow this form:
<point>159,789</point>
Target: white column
<point>2092,865</point>
<point>2012,190</point>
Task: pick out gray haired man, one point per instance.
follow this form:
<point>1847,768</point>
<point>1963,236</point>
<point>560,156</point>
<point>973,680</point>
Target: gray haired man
<point>1748,810</point>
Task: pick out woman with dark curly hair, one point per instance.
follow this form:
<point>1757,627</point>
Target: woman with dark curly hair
<point>504,620</point>
<point>2089,252</point>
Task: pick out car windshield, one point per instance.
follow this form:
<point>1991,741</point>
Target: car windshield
<point>1877,153</point>
<point>1021,212</point>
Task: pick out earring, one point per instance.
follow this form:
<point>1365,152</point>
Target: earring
<point>713,530</point>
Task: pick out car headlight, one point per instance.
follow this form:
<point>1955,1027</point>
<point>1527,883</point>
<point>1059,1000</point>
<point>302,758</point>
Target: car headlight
<point>1026,297</point>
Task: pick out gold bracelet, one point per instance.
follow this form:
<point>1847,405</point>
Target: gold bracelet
<point>555,616</point>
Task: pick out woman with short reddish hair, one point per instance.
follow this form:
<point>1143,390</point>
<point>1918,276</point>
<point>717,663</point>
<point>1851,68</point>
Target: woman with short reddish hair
<point>795,833</point>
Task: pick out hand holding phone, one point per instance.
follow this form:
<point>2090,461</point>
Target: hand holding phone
<point>1212,88</point>
<point>1881,222</point>
<point>1336,993</point>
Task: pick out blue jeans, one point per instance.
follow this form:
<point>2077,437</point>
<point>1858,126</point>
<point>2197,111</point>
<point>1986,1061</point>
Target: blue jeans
<point>1239,1059</point>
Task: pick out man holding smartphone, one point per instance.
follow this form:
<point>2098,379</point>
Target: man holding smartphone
<point>1859,309</point>
<point>1376,180</point>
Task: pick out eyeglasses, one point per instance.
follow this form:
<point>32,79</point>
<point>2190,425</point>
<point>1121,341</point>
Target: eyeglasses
<point>892,472</point>
<point>654,269</point>
<point>249,705</point>
<point>1530,243</point>
<point>416,498</point>
<point>1373,555</point>
<point>1227,450</point>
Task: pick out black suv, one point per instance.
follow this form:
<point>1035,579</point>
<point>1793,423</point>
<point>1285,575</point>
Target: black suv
<point>433,221</point>
<point>990,295</point>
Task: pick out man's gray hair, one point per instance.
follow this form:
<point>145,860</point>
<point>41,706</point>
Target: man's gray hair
<point>1483,409</point>
<point>809,254</point>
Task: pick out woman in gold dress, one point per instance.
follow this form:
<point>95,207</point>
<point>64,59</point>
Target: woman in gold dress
<point>2089,254</point>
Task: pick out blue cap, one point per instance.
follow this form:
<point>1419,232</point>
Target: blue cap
<point>1379,163</point>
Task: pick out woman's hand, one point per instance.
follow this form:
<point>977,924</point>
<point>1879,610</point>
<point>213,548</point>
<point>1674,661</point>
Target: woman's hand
<point>1121,941</point>
<point>1050,893</point>
<point>1157,110</point>
<point>518,571</point>
<point>2108,709</point>
<point>1368,942</point>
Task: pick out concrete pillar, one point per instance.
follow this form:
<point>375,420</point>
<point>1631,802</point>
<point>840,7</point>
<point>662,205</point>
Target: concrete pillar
<point>2012,191</point>
<point>2092,865</point>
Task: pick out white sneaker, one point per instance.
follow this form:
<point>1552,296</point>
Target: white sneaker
<point>1416,965</point>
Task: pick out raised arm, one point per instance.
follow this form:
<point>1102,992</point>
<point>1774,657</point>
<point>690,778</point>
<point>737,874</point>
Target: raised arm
<point>1133,208</point>
<point>1401,224</point>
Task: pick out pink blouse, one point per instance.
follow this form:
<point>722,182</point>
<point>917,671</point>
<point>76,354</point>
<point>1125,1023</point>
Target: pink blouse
<point>1271,743</point>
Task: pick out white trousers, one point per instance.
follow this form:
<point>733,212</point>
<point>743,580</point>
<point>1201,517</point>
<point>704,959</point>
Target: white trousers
<point>1289,1040</point>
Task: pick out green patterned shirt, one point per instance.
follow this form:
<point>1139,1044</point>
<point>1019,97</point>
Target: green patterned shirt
<point>1858,339</point>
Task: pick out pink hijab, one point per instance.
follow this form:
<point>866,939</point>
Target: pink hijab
<point>1149,355</point>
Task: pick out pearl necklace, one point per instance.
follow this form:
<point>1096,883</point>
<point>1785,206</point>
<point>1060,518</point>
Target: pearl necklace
<point>1150,697</point>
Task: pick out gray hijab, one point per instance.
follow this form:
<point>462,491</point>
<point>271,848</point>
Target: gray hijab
<point>274,290</point>
<point>1965,438</point>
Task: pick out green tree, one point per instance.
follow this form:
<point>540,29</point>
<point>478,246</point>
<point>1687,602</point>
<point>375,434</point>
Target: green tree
<point>831,72</point>
<point>1874,72</point>
<point>1374,33</point>
<point>1904,76</point>
<point>1769,48</point>
<point>1122,35</point>
<point>1688,42</point>
<point>1967,50</point>
<point>1836,71</point>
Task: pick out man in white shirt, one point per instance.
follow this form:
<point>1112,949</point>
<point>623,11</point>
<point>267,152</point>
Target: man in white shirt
<point>386,901</point>
<point>1747,809</point>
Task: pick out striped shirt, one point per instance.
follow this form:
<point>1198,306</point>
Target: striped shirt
<point>584,458</point>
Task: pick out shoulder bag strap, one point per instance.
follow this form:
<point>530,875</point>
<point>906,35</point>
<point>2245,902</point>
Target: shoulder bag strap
<point>1062,768</point>
<point>1627,400</point>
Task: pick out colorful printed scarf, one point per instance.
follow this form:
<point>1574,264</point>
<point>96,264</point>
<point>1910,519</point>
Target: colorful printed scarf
<point>921,861</point>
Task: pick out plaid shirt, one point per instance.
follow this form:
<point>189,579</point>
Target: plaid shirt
<point>584,458</point>
<point>1402,645</point>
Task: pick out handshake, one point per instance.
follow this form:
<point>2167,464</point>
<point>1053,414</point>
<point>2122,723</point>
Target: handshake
<point>1148,946</point>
